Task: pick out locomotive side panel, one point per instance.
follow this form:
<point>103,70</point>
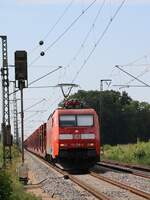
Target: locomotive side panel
<point>52,136</point>
<point>36,142</point>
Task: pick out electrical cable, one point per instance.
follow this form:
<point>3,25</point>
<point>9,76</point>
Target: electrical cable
<point>40,78</point>
<point>132,64</point>
<point>45,75</point>
<point>41,87</point>
<point>55,24</point>
<point>68,28</point>
<point>42,66</point>
<point>33,111</point>
<point>141,74</point>
<point>123,86</point>
<point>65,31</point>
<point>132,76</point>
<point>86,37</point>
<point>34,105</point>
<point>59,19</point>
<point>99,40</point>
<point>136,60</point>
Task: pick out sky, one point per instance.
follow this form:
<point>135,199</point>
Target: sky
<point>85,39</point>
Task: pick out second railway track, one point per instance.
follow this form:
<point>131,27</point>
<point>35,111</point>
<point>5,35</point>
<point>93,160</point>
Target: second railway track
<point>121,185</point>
<point>145,173</point>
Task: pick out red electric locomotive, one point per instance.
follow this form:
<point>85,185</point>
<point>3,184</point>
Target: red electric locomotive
<point>71,135</point>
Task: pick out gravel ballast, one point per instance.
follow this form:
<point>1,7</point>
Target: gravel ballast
<point>54,184</point>
<point>126,178</point>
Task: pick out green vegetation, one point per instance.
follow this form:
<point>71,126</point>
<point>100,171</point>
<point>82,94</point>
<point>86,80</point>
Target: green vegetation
<point>1,155</point>
<point>123,120</point>
<point>10,187</point>
<point>132,153</point>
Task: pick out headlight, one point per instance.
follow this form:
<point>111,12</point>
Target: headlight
<point>88,136</point>
<point>65,136</point>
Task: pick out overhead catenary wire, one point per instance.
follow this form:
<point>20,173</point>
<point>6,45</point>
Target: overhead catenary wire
<point>68,28</point>
<point>33,111</point>
<point>59,19</point>
<point>38,79</point>
<point>41,87</point>
<point>55,24</point>
<point>65,31</point>
<point>141,74</point>
<point>132,76</point>
<point>123,86</point>
<point>35,104</point>
<point>29,117</point>
<point>132,64</point>
<point>136,60</point>
<point>99,40</point>
<point>42,66</point>
<point>86,37</point>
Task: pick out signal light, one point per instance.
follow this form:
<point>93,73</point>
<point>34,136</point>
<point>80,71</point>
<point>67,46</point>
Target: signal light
<point>21,65</point>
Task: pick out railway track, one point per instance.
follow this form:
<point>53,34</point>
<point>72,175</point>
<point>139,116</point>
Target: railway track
<point>66,175</point>
<point>121,185</point>
<point>132,166</point>
<point>142,172</point>
<point>82,181</point>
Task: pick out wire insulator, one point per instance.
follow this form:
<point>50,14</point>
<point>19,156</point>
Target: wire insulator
<point>41,42</point>
<point>42,53</point>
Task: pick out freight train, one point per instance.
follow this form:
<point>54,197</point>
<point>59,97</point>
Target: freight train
<point>71,134</point>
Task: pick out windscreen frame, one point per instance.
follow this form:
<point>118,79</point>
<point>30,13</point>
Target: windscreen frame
<point>76,120</point>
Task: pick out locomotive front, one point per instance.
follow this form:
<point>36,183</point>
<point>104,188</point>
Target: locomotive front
<point>79,138</point>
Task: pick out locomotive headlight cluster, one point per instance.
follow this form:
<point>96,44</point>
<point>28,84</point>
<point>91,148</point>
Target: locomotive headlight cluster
<point>83,136</point>
<point>65,136</point>
<point>63,145</point>
<point>90,144</point>
<point>88,136</point>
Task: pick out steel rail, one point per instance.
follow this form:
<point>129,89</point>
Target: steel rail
<point>121,185</point>
<point>132,166</point>
<point>91,190</point>
<point>86,187</point>
<point>125,169</point>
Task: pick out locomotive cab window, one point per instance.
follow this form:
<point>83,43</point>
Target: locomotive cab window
<point>84,120</point>
<point>76,120</point>
<point>67,120</point>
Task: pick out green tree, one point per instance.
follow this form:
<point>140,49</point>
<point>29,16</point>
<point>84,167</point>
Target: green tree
<point>122,120</point>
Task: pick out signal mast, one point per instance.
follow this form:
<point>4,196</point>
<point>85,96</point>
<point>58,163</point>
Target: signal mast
<point>5,126</point>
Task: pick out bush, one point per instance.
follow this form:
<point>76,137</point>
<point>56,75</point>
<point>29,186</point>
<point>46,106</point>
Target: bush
<point>132,153</point>
<point>5,186</point>
<point>139,152</point>
<point>10,187</point>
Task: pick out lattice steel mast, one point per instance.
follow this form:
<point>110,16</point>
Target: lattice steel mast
<point>15,116</point>
<point>6,128</point>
